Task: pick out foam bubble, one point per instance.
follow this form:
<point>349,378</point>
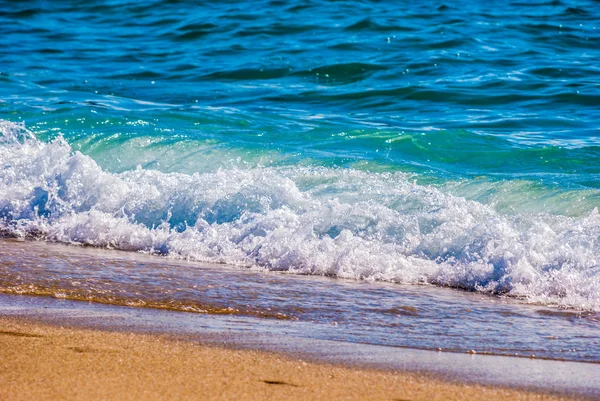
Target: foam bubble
<point>336,222</point>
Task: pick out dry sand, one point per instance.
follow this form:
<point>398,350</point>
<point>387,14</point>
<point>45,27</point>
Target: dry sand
<point>42,362</point>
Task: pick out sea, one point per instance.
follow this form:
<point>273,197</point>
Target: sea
<point>399,173</point>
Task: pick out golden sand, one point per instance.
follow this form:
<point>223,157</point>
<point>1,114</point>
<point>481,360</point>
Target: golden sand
<point>41,362</point>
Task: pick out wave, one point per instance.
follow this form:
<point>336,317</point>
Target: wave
<point>336,222</point>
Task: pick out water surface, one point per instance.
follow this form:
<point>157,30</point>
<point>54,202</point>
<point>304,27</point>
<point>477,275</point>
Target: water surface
<point>446,144</point>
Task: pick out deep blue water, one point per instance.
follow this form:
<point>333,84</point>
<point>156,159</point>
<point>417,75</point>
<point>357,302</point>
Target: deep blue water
<point>450,143</point>
<point>507,89</point>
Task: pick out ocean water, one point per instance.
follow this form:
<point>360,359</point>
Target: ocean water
<point>445,144</point>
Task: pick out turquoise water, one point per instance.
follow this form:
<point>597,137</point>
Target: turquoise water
<point>454,144</point>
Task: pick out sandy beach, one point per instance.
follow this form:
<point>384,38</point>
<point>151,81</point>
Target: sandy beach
<point>45,362</point>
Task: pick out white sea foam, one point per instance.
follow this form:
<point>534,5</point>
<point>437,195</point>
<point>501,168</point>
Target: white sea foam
<point>338,222</point>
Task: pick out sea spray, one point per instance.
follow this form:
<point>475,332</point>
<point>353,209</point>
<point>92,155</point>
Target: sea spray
<point>338,222</point>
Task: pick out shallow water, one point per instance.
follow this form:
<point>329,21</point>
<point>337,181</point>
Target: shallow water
<point>447,144</point>
<point>422,317</point>
<point>571,379</point>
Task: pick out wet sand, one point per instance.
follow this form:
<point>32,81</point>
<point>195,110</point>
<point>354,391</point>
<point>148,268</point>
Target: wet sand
<point>47,362</point>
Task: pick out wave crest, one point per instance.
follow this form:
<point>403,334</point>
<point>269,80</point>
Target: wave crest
<point>336,222</point>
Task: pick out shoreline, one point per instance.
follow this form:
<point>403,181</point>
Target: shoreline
<point>359,311</point>
<point>110,348</point>
<point>41,361</point>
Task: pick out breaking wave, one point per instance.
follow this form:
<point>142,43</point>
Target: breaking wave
<point>324,221</point>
